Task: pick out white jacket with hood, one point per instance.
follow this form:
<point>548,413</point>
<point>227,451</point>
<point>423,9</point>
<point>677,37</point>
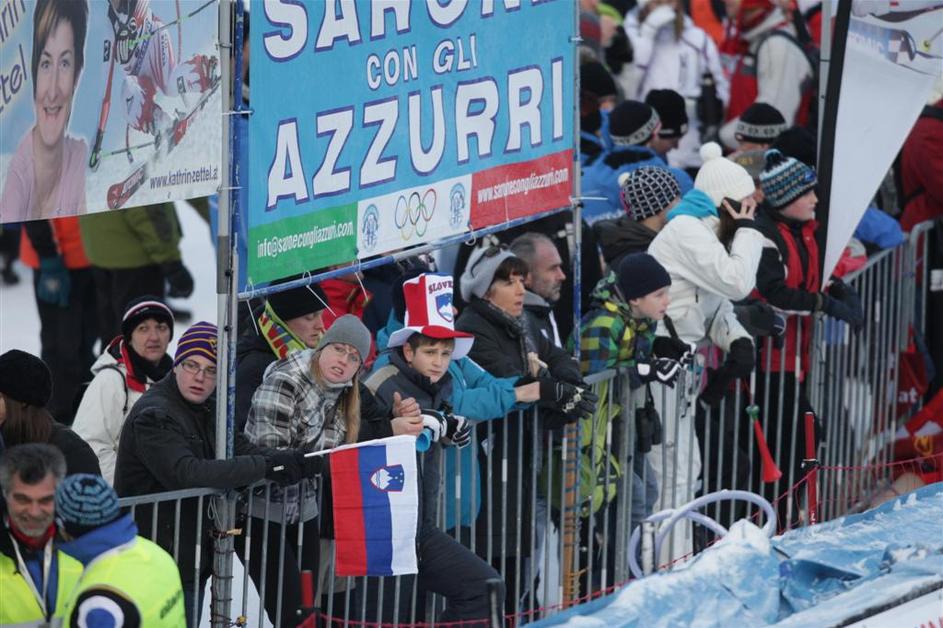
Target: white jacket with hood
<point>705,276</point>
<point>104,407</point>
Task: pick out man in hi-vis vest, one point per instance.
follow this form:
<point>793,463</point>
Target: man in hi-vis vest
<point>111,591</point>
<point>35,578</point>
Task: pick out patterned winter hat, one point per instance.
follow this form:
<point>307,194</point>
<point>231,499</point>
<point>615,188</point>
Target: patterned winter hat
<point>785,179</point>
<point>429,312</point>
<point>632,123</point>
<point>647,191</point>
<point>760,124</point>
<point>85,502</point>
<point>199,339</point>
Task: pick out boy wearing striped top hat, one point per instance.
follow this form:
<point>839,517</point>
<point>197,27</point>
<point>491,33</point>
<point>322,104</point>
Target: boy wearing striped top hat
<point>420,354</point>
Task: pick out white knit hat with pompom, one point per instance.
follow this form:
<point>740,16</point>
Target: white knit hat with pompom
<point>721,178</point>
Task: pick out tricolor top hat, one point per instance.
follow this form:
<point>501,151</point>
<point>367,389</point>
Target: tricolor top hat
<point>429,312</point>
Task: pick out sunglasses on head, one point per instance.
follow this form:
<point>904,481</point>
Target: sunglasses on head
<point>490,252</point>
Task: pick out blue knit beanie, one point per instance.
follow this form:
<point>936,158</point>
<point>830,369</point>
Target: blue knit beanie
<point>785,179</point>
<point>85,502</point>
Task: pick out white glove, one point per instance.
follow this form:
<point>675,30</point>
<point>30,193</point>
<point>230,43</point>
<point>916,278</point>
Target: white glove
<point>656,20</point>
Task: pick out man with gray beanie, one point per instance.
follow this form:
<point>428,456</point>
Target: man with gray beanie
<point>646,195</point>
<point>107,544</point>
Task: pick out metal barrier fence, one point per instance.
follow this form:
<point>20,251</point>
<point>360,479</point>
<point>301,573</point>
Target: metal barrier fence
<point>552,506</point>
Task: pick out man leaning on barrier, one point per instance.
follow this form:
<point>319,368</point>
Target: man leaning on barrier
<point>35,578</point>
<point>106,543</point>
<point>168,443</point>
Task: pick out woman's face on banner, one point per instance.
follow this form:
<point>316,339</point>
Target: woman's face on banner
<point>55,84</point>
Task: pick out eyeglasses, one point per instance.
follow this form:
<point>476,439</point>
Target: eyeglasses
<point>193,368</point>
<point>351,354</point>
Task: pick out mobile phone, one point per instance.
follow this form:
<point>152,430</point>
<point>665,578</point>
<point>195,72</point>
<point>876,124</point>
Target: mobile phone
<point>734,205</point>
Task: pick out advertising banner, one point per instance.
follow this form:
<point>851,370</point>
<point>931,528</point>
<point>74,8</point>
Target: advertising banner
<point>379,125</point>
<point>894,53</point>
<point>106,104</point>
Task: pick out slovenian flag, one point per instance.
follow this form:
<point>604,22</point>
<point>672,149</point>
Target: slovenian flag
<point>376,507</point>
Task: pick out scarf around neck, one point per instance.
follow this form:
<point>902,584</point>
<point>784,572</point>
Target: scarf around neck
<point>281,340</point>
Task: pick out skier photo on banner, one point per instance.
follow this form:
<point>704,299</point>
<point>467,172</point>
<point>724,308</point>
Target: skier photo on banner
<point>160,90</point>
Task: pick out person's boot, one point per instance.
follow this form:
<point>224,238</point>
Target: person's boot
<point>10,276</point>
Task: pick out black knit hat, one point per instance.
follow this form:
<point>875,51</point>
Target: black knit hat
<point>671,110</point>
<point>632,123</point>
<point>799,143</point>
<point>639,274</point>
<point>760,123</point>
<point>143,308</point>
<point>298,301</point>
<point>25,378</point>
<point>595,78</point>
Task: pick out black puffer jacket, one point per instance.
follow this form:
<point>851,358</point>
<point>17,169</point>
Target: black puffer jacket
<point>167,444</point>
<point>253,356</point>
<point>618,238</point>
<point>501,348</point>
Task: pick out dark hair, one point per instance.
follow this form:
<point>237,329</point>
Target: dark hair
<point>508,268</point>
<point>46,17</point>
<point>25,423</point>
<point>421,340</point>
<point>728,227</point>
<point>31,463</point>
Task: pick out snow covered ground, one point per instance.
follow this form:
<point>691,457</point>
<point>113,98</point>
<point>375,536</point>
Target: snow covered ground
<point>19,322</point>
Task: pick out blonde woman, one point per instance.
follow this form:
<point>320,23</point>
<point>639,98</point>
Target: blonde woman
<point>313,400</point>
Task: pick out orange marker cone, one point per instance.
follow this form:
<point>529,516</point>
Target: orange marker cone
<point>771,472</point>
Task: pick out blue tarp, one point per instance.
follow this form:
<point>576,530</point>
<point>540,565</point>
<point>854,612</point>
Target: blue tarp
<point>809,576</point>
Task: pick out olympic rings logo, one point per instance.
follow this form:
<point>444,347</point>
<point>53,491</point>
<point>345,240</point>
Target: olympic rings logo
<point>414,213</point>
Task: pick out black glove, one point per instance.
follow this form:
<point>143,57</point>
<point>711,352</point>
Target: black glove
<point>661,370</point>
<point>849,312</point>
<point>573,401</point>
<point>675,349</point>
<point>740,359</point>
<point>312,466</point>
<point>447,428</point>
<point>179,279</point>
<point>840,290</point>
<point>285,466</point>
<point>718,380</point>
<point>648,429</point>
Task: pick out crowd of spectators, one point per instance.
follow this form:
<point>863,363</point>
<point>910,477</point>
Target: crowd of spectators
<point>698,163</point>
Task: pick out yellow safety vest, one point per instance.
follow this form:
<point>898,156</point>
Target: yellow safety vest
<point>142,573</point>
<point>18,603</point>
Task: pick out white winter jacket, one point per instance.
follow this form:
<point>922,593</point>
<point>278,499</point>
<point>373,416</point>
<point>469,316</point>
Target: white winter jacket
<point>104,407</point>
<point>663,62</point>
<point>705,278</point>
